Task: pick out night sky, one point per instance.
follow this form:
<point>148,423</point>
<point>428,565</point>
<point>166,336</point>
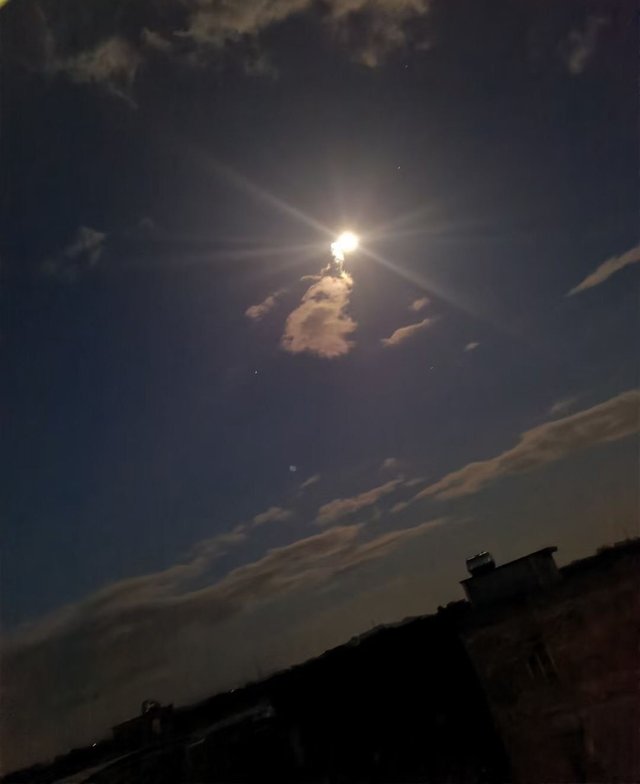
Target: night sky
<point>224,453</point>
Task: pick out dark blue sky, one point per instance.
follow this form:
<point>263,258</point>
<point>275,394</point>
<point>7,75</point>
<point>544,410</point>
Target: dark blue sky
<point>161,174</point>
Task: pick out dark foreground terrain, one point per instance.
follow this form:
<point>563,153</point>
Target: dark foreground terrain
<point>532,686</point>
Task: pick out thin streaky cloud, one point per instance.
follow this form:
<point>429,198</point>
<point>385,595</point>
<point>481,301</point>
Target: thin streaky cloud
<point>312,480</point>
<point>607,269</point>
<point>260,310</point>
<point>418,304</point>
<point>563,406</point>
<point>342,507</point>
<point>125,627</point>
<point>274,514</point>
<point>403,334</point>
<point>550,442</point>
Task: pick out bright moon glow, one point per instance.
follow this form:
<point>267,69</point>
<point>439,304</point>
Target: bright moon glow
<point>347,242</point>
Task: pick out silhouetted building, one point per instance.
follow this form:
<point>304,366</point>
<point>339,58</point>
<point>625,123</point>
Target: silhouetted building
<point>154,723</point>
<point>561,666</point>
<point>490,583</point>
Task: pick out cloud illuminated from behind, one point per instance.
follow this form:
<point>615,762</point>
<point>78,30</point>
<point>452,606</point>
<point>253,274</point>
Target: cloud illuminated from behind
<point>320,325</point>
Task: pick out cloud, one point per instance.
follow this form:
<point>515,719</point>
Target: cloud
<point>312,480</point>
<point>109,46</point>
<point>610,421</point>
<point>274,514</point>
<point>81,255</point>
<point>419,304</point>
<point>114,648</point>
<point>404,333</point>
<point>320,325</point>
<point>156,41</point>
<point>369,29</point>
<point>390,464</point>
<point>113,64</point>
<point>259,311</point>
<point>217,24</point>
<point>341,507</point>
<point>580,45</point>
<point>399,506</point>
<point>471,346</point>
<point>372,29</point>
<point>562,406</point>
<point>607,269</point>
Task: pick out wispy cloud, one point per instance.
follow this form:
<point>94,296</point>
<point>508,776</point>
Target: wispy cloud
<point>607,269</point>
<point>381,25</point>
<point>405,333</point>
<point>399,507</point>
<point>81,255</point>
<point>312,480</point>
<point>113,63</point>
<point>274,514</point>
<point>390,464</point>
<point>418,304</point>
<point>259,311</point>
<point>373,29</point>
<point>581,44</point>
<point>342,507</point>
<point>320,325</point>
<point>552,441</point>
<point>471,346</point>
<point>111,46</point>
<point>109,649</point>
<point>156,41</point>
<point>563,406</point>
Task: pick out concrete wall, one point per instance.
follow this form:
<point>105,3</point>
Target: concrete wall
<point>562,675</point>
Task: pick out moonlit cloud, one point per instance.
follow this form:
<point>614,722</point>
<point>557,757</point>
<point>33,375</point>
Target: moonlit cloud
<point>382,26</point>
<point>111,45</point>
<point>552,441</point>
<point>471,346</point>
<point>607,269</point>
<point>320,324</point>
<point>81,255</point>
<point>399,507</point>
<point>156,41</point>
<point>563,406</point>
<point>312,480</point>
<point>112,63</point>
<point>418,304</point>
<point>274,514</point>
<point>342,507</point>
<point>404,333</point>
<point>259,311</point>
<point>135,637</point>
<point>581,44</point>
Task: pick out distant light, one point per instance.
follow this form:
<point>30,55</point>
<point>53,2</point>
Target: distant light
<point>347,242</point>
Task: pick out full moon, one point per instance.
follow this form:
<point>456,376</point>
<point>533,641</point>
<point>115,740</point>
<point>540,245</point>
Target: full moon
<point>347,242</point>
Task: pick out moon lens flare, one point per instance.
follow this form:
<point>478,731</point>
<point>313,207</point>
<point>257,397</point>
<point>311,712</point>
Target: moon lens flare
<point>347,242</point>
